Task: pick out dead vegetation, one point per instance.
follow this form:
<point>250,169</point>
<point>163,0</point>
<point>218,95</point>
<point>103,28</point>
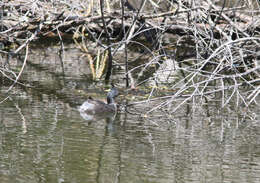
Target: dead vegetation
<point>202,49</point>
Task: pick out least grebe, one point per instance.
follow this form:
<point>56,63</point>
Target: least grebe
<point>92,106</point>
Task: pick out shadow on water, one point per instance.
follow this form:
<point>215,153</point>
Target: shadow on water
<point>44,138</point>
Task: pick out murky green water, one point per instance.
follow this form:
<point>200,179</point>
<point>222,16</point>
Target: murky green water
<point>44,141</point>
<point>43,138</point>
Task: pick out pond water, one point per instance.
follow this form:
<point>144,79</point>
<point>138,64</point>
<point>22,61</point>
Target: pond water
<point>43,137</point>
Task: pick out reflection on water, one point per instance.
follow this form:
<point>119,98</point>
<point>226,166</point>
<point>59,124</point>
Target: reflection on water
<point>60,146</point>
<point>94,118</point>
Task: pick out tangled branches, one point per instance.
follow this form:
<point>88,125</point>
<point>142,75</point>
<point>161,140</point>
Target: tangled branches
<point>199,49</point>
<point>215,57</point>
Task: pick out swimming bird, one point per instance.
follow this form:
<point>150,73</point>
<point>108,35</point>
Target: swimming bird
<point>94,107</point>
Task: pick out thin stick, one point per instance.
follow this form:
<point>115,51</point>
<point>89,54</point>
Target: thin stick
<point>110,57</point>
<point>125,45</point>
<point>21,71</point>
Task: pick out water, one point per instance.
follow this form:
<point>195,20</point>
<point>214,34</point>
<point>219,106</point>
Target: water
<point>49,142</point>
<point>43,138</point>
